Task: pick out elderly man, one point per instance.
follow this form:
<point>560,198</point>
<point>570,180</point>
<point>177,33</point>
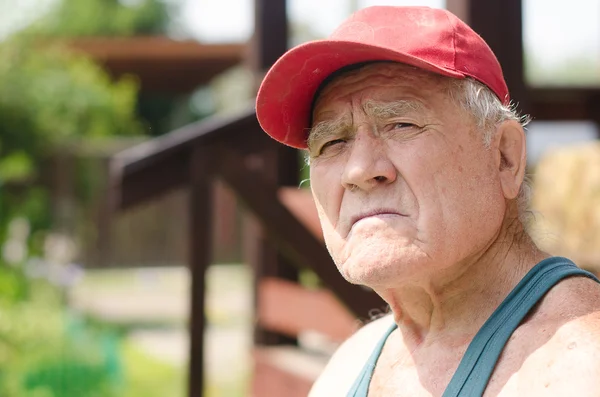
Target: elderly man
<point>417,162</point>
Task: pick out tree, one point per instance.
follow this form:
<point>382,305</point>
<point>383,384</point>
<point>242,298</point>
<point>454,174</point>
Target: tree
<point>49,97</point>
<point>76,18</point>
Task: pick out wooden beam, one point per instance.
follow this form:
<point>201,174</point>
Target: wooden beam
<point>270,33</point>
<point>274,165</point>
<point>565,103</point>
<point>199,245</point>
<point>292,237</point>
<point>291,309</point>
<point>154,48</point>
<point>129,188</point>
<point>159,63</point>
<point>279,163</point>
<point>183,140</point>
<point>460,8</point>
<point>500,23</point>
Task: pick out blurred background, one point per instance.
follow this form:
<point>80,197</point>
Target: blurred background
<point>153,241</point>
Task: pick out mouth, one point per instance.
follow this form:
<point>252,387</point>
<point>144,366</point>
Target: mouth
<point>374,213</point>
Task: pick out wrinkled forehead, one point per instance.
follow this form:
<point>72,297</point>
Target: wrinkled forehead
<point>385,71</point>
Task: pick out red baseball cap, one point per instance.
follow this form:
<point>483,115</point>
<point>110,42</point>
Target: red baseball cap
<point>427,38</point>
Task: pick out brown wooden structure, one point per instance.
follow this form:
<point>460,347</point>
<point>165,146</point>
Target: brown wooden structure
<point>159,63</point>
<point>260,172</point>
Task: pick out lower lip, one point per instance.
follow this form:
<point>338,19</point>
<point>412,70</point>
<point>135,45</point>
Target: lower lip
<point>376,216</point>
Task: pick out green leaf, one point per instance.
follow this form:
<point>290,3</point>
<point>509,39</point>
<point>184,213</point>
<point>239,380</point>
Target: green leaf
<point>16,166</point>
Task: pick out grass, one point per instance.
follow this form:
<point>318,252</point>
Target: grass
<point>146,376</point>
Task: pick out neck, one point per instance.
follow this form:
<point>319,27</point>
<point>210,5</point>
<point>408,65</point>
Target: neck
<point>452,307</point>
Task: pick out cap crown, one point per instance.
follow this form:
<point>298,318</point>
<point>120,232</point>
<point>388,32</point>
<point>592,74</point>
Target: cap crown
<point>433,35</point>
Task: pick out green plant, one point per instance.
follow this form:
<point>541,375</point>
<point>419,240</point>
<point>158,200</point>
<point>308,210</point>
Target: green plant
<point>148,377</point>
<point>75,18</point>
<point>50,98</point>
<point>45,351</point>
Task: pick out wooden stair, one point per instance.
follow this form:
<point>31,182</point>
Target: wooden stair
<point>285,371</point>
<point>295,311</point>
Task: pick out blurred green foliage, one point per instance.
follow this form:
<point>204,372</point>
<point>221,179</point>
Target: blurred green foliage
<point>76,18</point>
<point>49,98</point>
<point>47,352</point>
<point>147,376</point>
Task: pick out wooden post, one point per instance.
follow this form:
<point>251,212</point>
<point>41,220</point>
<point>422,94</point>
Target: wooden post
<point>200,256</point>
<point>593,111</point>
<point>276,166</point>
<point>278,163</point>
<point>63,195</point>
<point>102,251</point>
<point>500,23</point>
<point>460,8</point>
<point>270,34</point>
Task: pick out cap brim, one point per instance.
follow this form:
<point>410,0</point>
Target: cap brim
<point>284,99</point>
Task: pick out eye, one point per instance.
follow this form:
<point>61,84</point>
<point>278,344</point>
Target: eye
<point>401,125</point>
<point>330,144</point>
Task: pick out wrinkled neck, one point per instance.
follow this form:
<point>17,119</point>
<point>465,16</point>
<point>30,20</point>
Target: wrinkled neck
<point>451,307</point>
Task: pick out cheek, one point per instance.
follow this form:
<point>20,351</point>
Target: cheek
<point>328,220</point>
<point>327,194</point>
<point>468,200</point>
<point>458,195</point>
<point>476,180</point>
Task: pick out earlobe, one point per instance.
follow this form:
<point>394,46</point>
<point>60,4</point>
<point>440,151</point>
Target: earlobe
<point>511,157</point>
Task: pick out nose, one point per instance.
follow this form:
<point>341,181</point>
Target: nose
<point>368,165</point>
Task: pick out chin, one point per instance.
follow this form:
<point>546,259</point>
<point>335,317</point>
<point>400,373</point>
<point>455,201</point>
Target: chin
<point>381,264</point>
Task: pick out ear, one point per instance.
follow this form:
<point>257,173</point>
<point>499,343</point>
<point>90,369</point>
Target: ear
<point>511,157</point>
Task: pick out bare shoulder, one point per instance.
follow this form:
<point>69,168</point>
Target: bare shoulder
<point>569,362</point>
<point>349,359</point>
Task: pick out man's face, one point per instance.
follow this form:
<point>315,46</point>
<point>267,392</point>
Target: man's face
<point>402,180</point>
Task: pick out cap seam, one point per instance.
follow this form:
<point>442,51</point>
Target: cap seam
<point>453,40</point>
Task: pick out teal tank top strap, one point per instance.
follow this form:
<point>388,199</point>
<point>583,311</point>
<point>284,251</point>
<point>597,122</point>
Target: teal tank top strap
<point>477,365</point>
<point>360,388</point>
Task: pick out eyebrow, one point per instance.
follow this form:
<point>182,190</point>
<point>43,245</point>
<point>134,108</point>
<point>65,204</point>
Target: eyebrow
<point>326,129</point>
<point>397,108</point>
<point>341,126</point>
